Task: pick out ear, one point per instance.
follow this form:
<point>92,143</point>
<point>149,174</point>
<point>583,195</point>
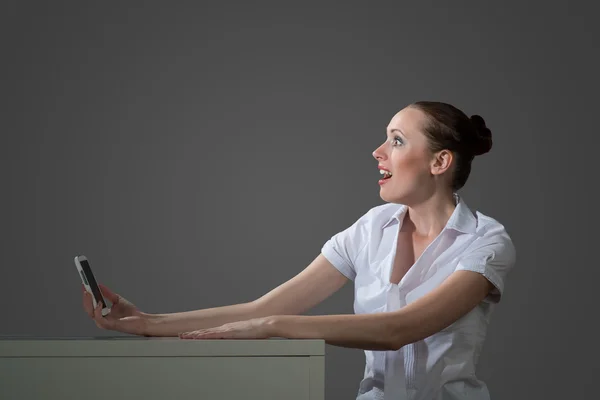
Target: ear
<point>441,162</point>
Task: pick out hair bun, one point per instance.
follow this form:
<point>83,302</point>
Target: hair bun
<point>483,143</point>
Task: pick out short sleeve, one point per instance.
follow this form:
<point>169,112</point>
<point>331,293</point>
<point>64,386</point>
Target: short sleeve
<point>493,257</point>
<point>342,249</point>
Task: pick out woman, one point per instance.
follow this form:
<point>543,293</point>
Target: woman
<point>427,272</point>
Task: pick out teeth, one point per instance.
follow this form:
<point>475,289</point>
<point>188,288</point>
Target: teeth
<point>382,172</point>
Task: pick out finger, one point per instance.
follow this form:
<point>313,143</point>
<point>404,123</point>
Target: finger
<point>87,304</point>
<point>191,335</point>
<point>204,334</point>
<point>101,321</point>
<point>110,295</point>
<point>194,336</point>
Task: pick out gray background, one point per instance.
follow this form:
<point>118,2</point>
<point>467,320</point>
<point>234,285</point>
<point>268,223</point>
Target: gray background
<point>201,154</point>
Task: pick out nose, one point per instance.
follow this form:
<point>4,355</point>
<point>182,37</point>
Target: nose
<point>379,154</point>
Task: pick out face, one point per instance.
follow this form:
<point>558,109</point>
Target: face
<point>406,154</point>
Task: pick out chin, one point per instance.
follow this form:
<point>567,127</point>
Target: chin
<point>405,193</point>
<point>398,198</point>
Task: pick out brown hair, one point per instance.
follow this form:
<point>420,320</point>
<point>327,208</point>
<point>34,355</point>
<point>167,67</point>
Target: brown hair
<point>450,128</point>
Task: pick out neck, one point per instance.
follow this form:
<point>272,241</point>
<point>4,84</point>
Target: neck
<point>429,217</point>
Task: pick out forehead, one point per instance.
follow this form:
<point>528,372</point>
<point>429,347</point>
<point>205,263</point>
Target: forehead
<point>408,120</point>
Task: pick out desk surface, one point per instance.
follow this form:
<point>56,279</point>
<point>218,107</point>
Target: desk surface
<point>139,346</point>
<point>158,368</point>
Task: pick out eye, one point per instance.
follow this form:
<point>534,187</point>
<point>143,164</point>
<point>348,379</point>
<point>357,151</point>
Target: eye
<point>397,141</point>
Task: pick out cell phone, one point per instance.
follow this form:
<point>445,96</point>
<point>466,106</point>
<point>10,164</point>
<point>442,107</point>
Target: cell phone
<point>90,284</point>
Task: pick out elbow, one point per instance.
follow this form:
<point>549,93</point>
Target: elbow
<point>395,344</point>
<point>395,340</point>
<point>398,337</point>
<point>399,340</point>
<point>402,331</point>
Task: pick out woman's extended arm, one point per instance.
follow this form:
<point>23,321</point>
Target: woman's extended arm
<point>311,286</point>
<point>455,297</point>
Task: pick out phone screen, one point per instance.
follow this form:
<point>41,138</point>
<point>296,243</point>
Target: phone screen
<point>88,276</point>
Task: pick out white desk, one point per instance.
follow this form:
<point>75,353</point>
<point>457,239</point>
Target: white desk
<point>124,367</point>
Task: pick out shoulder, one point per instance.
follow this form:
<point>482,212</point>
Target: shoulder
<point>492,238</point>
<point>488,227</point>
<point>490,253</point>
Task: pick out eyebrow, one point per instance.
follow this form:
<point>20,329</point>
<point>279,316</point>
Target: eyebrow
<point>396,129</point>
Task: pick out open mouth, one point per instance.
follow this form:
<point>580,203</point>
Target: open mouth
<point>386,174</point>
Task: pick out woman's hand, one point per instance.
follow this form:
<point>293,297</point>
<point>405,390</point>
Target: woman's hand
<point>123,317</point>
<point>257,328</point>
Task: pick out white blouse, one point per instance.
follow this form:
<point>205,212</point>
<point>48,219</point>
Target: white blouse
<point>441,366</point>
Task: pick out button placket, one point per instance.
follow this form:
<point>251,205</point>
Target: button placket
<point>394,372</point>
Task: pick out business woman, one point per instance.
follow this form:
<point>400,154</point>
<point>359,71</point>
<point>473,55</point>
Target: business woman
<point>427,272</point>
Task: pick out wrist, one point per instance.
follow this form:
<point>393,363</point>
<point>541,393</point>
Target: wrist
<point>149,322</point>
<point>272,325</point>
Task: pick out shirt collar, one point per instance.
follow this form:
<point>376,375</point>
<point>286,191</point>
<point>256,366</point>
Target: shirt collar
<point>462,218</point>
